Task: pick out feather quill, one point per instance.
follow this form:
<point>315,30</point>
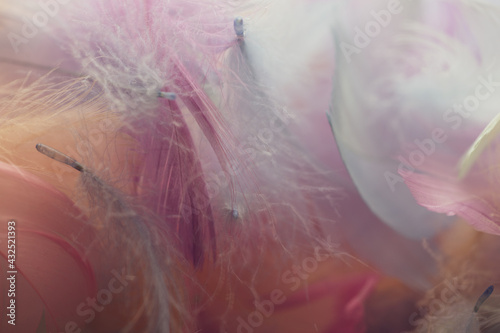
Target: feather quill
<point>142,243</point>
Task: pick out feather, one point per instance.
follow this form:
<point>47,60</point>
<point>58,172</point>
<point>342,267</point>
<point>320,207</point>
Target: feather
<point>204,161</point>
<point>52,253</point>
<point>409,86</point>
<point>156,173</point>
<point>362,109</point>
<point>139,241</point>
